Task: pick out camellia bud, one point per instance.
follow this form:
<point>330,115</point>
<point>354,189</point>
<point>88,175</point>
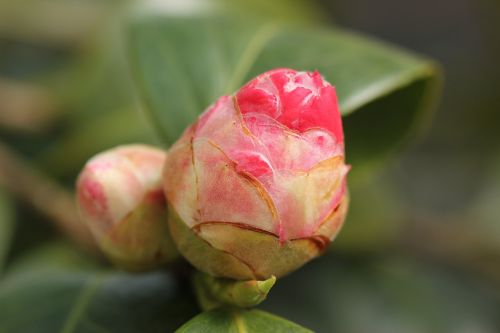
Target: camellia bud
<point>120,197</point>
<point>257,186</point>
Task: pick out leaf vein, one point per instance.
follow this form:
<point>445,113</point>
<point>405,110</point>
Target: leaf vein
<point>82,301</point>
<point>240,324</point>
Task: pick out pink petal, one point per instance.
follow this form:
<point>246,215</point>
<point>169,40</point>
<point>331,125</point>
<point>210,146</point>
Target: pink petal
<point>298,100</point>
<point>226,195</point>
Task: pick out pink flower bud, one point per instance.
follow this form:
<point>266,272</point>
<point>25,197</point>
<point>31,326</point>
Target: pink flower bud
<point>257,186</point>
<point>120,197</point>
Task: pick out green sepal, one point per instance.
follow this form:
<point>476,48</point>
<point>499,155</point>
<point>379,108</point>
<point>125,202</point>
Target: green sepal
<point>213,292</point>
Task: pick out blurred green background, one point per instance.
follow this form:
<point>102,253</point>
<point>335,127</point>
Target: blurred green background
<point>420,251</point>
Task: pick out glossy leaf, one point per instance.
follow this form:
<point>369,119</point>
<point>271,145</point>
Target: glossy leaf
<point>45,301</point>
<point>182,65</point>
<point>240,321</point>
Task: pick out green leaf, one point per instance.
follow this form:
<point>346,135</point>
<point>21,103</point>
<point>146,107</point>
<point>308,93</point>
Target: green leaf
<point>6,227</point>
<point>239,321</point>
<point>92,302</point>
<point>182,65</point>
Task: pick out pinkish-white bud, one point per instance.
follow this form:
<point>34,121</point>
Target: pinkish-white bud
<point>120,198</point>
<point>257,186</point>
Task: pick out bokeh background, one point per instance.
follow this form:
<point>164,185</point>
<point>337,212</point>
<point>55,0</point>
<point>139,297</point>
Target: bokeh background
<point>420,251</point>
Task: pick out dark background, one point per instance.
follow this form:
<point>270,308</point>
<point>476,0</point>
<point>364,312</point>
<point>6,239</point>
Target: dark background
<point>420,251</point>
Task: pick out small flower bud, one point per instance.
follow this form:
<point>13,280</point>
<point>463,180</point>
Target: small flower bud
<point>257,186</point>
<point>120,198</point>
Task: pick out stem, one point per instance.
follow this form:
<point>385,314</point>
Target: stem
<point>45,195</point>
